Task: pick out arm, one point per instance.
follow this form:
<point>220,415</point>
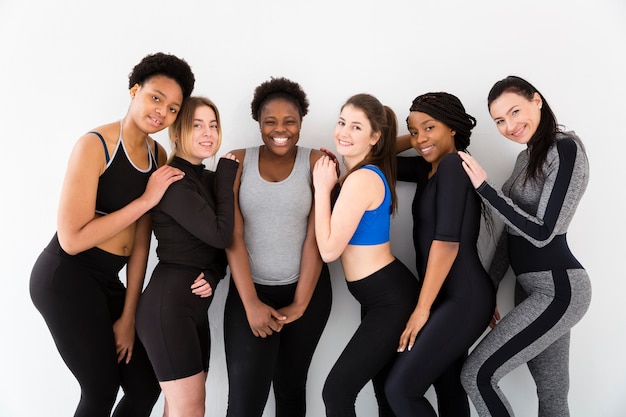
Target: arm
<point>77,226</point>
<point>193,212</point>
<point>563,188</point>
<point>310,267</point>
<point>124,327</point>
<point>333,231</point>
<point>440,259</point>
<point>261,317</point>
<point>403,143</point>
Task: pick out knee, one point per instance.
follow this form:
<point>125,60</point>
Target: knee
<point>336,399</point>
<point>394,391</point>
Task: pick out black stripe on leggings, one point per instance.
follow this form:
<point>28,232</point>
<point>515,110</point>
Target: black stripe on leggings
<point>553,313</point>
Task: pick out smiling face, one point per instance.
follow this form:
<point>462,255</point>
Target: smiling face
<point>156,103</point>
<point>354,137</point>
<point>280,125</point>
<point>430,137</point>
<point>204,139</point>
<point>516,117</point>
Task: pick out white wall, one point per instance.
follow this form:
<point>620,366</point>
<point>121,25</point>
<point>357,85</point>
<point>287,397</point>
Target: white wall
<point>64,67</point>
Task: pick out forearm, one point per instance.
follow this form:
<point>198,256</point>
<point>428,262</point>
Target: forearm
<point>99,229</point>
<point>322,226</point>
<point>310,269</point>
<point>440,259</point>
<point>403,143</point>
<point>241,275</point>
<point>136,267</point>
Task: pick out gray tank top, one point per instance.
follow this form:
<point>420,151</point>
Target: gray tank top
<point>275,218</point>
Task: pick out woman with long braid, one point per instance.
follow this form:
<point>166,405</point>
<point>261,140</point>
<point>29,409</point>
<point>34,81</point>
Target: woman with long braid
<point>537,204</point>
<point>456,299</point>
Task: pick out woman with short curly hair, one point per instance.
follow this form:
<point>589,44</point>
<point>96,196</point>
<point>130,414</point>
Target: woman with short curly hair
<point>280,296</point>
<point>113,179</point>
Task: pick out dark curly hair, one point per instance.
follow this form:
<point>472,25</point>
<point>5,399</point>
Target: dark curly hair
<point>448,109</point>
<point>279,88</point>
<point>163,64</point>
<point>548,127</point>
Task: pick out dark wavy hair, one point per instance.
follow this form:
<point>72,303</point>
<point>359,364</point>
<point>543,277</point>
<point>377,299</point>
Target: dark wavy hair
<point>163,64</point>
<point>383,120</point>
<point>279,88</point>
<point>448,109</point>
<point>544,136</point>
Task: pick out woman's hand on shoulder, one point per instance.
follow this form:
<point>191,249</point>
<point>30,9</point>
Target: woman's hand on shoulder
<point>325,174</point>
<point>159,182</point>
<point>231,156</point>
<point>474,171</point>
<point>333,157</point>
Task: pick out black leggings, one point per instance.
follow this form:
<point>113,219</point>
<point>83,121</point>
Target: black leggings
<point>387,299</point>
<point>457,319</point>
<point>80,297</point>
<point>282,359</point>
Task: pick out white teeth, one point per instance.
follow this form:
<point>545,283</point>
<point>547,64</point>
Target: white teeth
<point>280,140</point>
<point>343,143</point>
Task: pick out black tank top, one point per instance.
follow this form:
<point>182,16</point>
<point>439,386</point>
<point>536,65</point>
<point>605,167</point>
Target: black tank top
<point>121,182</point>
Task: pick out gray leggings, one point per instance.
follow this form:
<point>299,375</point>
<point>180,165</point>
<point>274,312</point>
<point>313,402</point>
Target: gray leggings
<point>537,332</point>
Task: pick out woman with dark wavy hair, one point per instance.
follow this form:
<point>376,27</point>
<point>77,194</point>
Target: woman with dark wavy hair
<point>553,292</point>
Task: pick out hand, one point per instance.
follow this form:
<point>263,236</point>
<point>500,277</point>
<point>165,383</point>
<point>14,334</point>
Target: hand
<point>201,287</point>
<point>231,157</point>
<point>263,319</point>
<point>334,159</point>
<point>417,320</point>
<point>124,333</point>
<point>473,169</point>
<point>495,319</point>
<point>325,174</point>
<point>292,312</point>
<point>159,181</point>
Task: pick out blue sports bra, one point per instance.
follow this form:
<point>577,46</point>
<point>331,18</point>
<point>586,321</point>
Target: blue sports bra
<point>373,229</point>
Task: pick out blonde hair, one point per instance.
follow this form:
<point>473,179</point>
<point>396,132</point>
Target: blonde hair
<point>181,131</point>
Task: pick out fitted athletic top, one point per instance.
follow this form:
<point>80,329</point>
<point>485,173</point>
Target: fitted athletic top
<point>373,229</point>
<point>445,208</point>
<point>121,182</point>
<point>537,213</point>
<point>276,216</point>
<point>194,221</point>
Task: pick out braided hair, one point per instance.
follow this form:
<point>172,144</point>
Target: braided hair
<point>447,109</point>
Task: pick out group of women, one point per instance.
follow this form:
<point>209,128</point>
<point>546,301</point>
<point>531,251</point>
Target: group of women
<point>276,214</point>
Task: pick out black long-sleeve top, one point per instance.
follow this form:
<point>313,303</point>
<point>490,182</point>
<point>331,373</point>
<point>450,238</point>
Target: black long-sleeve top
<point>194,221</point>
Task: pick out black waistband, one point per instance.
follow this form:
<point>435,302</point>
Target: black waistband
<point>525,257</point>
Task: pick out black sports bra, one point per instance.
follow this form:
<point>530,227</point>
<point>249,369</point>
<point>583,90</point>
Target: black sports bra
<point>121,182</point>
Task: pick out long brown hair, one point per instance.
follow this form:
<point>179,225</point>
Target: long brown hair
<point>383,120</point>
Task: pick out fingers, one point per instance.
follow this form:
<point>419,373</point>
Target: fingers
<point>124,352</point>
<point>201,287</point>
<point>407,340</point>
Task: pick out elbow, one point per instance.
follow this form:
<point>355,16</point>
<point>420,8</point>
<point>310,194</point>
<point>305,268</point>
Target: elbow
<point>68,245</point>
<point>329,256</point>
